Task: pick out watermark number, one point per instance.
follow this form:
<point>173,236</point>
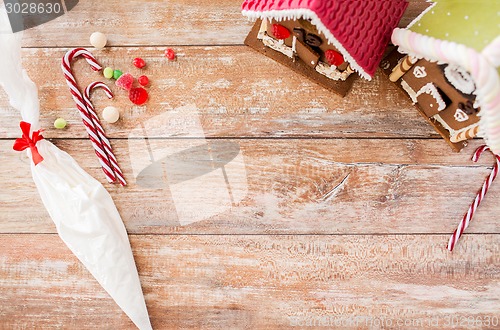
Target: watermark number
<point>33,8</point>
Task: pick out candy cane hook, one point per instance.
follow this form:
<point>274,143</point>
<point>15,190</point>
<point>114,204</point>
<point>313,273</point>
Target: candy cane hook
<point>479,197</point>
<point>100,131</point>
<point>78,98</point>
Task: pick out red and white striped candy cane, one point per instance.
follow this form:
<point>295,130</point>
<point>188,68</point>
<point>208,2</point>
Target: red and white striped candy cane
<point>479,197</point>
<point>78,98</point>
<point>100,131</point>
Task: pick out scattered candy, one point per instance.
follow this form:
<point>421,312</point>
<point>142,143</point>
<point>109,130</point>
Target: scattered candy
<point>125,81</point>
<point>143,80</point>
<point>111,114</point>
<point>98,40</point>
<point>60,123</point>
<point>108,73</point>
<point>138,95</point>
<point>117,74</point>
<point>139,62</point>
<point>280,32</point>
<point>170,54</point>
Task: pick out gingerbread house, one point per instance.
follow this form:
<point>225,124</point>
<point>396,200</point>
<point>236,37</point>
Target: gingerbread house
<point>326,40</point>
<point>447,62</point>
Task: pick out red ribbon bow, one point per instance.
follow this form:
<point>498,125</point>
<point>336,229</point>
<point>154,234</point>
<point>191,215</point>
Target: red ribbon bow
<point>27,142</point>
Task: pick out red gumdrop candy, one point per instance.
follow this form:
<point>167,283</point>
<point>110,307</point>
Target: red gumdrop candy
<point>170,54</point>
<point>143,80</point>
<point>334,57</point>
<point>139,62</point>
<point>125,81</point>
<point>280,32</point>
<point>138,95</point>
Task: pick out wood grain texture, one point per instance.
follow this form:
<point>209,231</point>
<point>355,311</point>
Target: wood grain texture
<point>348,204</point>
<point>235,91</point>
<point>257,282</point>
<point>147,23</point>
<point>294,186</point>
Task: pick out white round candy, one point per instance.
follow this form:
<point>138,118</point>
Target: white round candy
<point>98,40</point>
<point>111,114</point>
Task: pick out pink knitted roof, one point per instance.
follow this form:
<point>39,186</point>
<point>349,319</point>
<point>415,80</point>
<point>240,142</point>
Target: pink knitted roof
<point>359,29</point>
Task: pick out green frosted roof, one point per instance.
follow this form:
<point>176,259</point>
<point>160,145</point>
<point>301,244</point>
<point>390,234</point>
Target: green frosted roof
<point>474,23</point>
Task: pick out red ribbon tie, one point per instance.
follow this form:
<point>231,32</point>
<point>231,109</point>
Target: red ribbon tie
<point>27,142</point>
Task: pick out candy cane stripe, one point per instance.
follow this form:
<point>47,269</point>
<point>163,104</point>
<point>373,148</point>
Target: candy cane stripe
<point>100,131</point>
<point>462,226</point>
<point>82,108</point>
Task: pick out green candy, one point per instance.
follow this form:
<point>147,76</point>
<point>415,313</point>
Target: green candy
<point>60,123</point>
<point>108,73</point>
<point>117,74</point>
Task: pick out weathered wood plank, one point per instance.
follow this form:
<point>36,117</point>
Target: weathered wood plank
<point>234,92</point>
<point>277,186</point>
<point>179,22</point>
<point>259,282</point>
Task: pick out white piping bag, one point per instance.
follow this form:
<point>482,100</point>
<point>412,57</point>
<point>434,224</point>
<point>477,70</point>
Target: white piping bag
<point>85,216</point>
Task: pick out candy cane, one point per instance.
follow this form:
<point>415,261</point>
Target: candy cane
<point>100,131</point>
<point>78,98</point>
<point>479,197</point>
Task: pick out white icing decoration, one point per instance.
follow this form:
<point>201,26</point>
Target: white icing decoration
<point>460,79</point>
<point>482,67</point>
<point>409,90</point>
<point>430,89</point>
<point>453,132</point>
<point>460,116</point>
<point>422,14</point>
<point>419,72</point>
<point>331,71</point>
<point>262,30</point>
<point>277,46</point>
<point>295,14</point>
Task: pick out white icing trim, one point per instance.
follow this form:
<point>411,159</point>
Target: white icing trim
<point>331,71</point>
<point>262,30</point>
<point>419,17</point>
<point>302,13</point>
<point>452,131</point>
<point>431,89</point>
<point>481,68</point>
<point>277,45</point>
<point>409,90</point>
<point>465,85</point>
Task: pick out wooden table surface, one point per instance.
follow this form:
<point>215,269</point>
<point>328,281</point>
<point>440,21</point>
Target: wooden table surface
<point>349,201</point>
